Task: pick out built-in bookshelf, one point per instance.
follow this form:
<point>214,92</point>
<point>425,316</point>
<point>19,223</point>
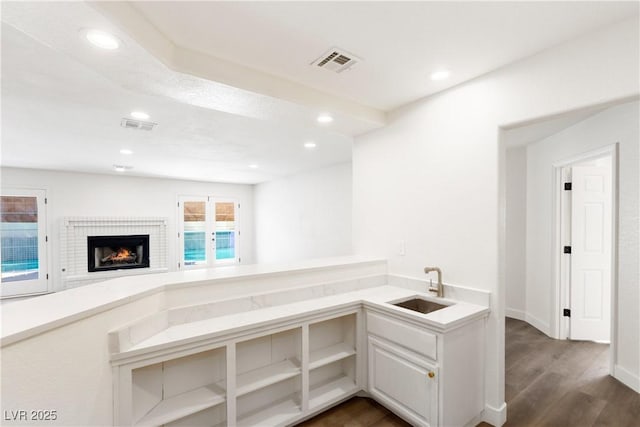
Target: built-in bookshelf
<point>258,380</point>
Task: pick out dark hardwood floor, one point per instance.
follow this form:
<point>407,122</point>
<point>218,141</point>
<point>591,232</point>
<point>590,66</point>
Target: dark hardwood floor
<point>356,412</point>
<point>562,383</point>
<point>549,383</point>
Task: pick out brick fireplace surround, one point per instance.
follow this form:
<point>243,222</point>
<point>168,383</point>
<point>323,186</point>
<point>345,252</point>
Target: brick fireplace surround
<point>73,246</point>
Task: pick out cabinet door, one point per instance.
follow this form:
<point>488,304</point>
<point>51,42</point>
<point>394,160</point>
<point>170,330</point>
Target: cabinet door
<point>405,383</point>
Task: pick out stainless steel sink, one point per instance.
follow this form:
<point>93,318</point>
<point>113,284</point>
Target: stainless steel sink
<point>420,305</point>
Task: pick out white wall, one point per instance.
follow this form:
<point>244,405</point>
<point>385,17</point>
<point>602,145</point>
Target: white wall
<point>82,194</point>
<point>516,232</point>
<point>434,176</point>
<point>619,124</point>
<point>304,216</point>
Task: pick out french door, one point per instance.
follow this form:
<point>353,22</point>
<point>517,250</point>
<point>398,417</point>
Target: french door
<point>23,250</point>
<point>207,232</point>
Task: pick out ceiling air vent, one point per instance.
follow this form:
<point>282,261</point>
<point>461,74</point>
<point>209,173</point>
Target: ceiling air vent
<point>336,60</point>
<point>136,124</point>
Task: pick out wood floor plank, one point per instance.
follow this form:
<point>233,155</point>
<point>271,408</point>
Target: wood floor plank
<point>525,409</point>
<point>617,414</point>
<point>574,409</point>
<point>356,412</point>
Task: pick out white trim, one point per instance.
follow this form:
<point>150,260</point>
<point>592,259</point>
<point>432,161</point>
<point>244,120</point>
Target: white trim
<point>627,378</point>
<point>538,324</point>
<point>556,300</point>
<point>495,416</point>
<point>515,314</point>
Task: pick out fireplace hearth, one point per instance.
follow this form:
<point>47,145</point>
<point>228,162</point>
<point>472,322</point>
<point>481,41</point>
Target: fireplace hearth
<point>117,252</point>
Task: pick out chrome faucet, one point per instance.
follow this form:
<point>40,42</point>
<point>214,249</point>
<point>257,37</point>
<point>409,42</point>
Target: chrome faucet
<point>439,290</point>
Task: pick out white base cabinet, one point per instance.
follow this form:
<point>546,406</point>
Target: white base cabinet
<point>406,384</point>
<point>430,378</point>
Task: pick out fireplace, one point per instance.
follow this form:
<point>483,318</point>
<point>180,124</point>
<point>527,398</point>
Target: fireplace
<point>117,252</point>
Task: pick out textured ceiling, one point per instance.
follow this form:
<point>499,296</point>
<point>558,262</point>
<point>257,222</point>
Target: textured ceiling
<point>63,101</point>
<point>229,82</point>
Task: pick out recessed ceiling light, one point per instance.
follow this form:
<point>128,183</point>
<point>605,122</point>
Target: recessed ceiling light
<point>310,145</point>
<point>325,118</point>
<point>440,75</point>
<point>253,166</point>
<point>126,151</point>
<point>121,168</point>
<point>102,39</point>
<point>140,115</point>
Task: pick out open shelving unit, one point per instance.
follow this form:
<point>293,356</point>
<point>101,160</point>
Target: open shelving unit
<point>332,360</point>
<point>166,392</point>
<point>268,378</point>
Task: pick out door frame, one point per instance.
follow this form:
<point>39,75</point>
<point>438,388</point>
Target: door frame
<point>210,203</point>
<point>42,285</point>
<point>558,327</point>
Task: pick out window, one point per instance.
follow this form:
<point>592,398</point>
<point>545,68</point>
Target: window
<point>23,236</point>
<point>208,232</point>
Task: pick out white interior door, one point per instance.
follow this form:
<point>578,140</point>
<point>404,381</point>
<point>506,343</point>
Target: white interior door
<point>591,206</point>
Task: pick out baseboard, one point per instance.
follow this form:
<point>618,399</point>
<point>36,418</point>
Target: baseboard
<point>495,416</point>
<point>627,378</point>
<point>538,324</point>
<point>515,314</point>
<point>532,320</point>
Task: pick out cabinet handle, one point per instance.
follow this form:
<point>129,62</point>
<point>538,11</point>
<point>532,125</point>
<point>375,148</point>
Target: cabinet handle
<point>431,374</point>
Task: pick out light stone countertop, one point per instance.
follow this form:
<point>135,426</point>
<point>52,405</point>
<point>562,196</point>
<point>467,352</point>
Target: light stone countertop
<point>26,318</point>
<point>377,297</point>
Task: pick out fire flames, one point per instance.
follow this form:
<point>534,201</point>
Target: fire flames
<point>122,255</point>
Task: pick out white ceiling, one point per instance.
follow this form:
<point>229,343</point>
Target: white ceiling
<point>229,82</point>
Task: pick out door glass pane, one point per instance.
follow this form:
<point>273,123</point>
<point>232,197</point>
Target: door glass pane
<point>225,231</point>
<point>19,228</point>
<point>195,233</point>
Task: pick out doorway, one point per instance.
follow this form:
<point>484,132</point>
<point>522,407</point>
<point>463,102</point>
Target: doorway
<point>585,246</point>
<point>24,242</point>
<point>208,233</point>
<point>585,250</point>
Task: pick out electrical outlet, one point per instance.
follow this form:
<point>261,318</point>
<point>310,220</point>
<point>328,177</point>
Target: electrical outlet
<point>402,249</point>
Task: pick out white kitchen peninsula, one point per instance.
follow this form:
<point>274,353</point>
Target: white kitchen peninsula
<point>233,346</point>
